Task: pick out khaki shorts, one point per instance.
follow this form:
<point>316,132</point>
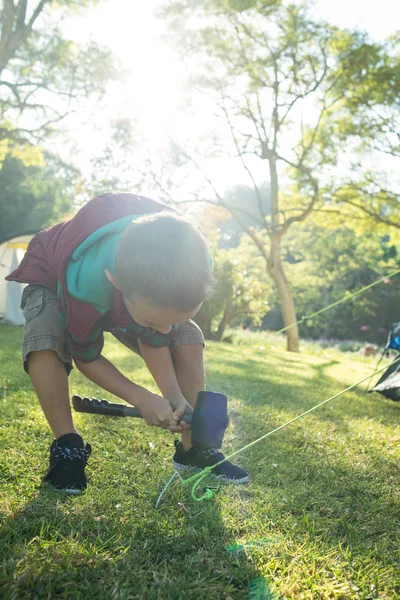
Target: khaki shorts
<point>44,331</point>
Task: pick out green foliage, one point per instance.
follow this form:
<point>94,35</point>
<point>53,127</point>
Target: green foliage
<point>326,265</point>
<point>27,153</point>
<point>271,77</point>
<point>370,204</point>
<point>359,130</point>
<point>32,197</point>
<point>284,76</point>
<point>241,290</point>
<point>44,75</point>
<point>230,6</point>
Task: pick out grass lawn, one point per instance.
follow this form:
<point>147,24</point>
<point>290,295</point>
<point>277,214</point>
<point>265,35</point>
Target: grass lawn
<point>321,518</point>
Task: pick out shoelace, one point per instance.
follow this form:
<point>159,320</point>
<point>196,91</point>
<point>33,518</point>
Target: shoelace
<point>81,454</point>
<point>211,452</point>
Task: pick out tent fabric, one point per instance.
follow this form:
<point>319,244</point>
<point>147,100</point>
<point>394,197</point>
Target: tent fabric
<point>12,250</point>
<point>393,340</point>
<point>389,384</point>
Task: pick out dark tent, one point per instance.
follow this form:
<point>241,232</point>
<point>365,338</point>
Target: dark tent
<point>389,384</point>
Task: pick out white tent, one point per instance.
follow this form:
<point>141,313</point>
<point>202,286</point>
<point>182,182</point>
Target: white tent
<point>12,250</point>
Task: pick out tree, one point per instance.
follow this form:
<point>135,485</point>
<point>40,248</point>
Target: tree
<point>361,132</point>
<point>240,291</point>
<point>326,264</point>
<point>129,162</point>
<point>33,197</point>
<point>244,199</point>
<point>43,75</point>
<point>275,77</point>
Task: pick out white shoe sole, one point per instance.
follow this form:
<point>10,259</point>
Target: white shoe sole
<point>72,491</point>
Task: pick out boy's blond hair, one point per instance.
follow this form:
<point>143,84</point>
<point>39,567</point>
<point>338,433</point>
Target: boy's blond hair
<point>164,258</point>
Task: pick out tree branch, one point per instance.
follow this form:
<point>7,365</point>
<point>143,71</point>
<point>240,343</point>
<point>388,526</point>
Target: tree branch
<point>12,40</point>
<point>370,213</point>
<point>21,8</point>
<point>307,92</point>
<point>314,199</point>
<point>35,14</point>
<point>259,199</point>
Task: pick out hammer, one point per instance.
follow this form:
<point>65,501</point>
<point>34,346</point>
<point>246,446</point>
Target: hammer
<point>208,420</point>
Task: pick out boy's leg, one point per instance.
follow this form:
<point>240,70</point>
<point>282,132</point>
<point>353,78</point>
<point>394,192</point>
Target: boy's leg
<point>187,355</point>
<point>48,364</point>
<point>45,358</point>
<point>189,369</point>
<point>50,380</point>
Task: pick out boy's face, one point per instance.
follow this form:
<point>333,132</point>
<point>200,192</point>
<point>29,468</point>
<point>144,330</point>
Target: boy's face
<point>145,313</point>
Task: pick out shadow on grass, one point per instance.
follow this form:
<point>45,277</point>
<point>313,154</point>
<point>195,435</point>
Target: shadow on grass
<point>270,389</point>
<point>325,495</point>
<point>113,543</point>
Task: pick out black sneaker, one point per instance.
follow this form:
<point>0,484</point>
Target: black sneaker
<point>198,458</point>
<point>68,458</point>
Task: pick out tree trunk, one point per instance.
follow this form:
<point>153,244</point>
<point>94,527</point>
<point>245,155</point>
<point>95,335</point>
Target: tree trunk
<point>225,319</point>
<point>275,267</point>
<point>275,270</point>
<point>206,328</point>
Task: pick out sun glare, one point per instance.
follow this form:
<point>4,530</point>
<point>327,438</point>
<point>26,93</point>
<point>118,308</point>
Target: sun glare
<point>152,94</point>
<point>154,74</point>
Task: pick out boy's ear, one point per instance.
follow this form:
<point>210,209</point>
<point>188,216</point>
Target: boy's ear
<point>110,277</point>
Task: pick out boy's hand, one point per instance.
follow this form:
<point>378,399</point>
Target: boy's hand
<point>157,411</point>
<point>180,406</point>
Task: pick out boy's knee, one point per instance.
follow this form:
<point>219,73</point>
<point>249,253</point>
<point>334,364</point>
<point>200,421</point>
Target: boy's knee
<point>45,359</point>
<point>188,352</point>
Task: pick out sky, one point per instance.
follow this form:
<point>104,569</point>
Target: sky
<point>379,17</point>
<point>155,75</point>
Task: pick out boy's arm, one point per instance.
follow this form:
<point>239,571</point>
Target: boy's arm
<point>106,375</point>
<point>155,409</point>
<point>160,365</point>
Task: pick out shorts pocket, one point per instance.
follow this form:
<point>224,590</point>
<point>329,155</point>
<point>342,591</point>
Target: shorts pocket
<point>24,296</point>
<point>32,303</point>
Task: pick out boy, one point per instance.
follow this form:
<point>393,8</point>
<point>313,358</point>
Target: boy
<point>134,267</point>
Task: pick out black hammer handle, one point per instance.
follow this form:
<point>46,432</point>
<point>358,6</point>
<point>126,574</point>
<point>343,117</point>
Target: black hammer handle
<point>111,409</point>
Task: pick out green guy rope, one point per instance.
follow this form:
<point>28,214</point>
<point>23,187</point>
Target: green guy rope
<point>344,299</point>
<point>200,476</point>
